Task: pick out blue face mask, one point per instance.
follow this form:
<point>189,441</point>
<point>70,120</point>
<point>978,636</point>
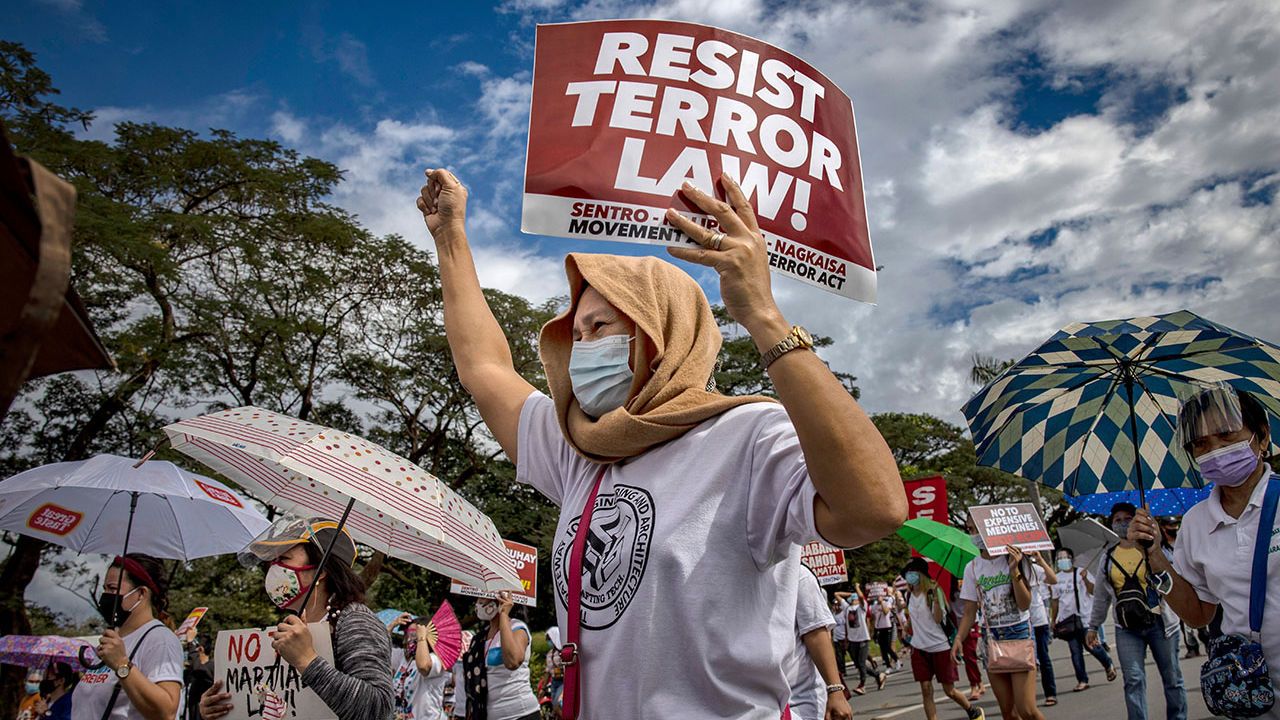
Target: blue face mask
<point>601,375</point>
<point>912,577</point>
<point>33,688</point>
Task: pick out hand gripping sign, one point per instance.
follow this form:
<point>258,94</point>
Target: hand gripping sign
<point>526,561</point>
<point>260,687</point>
<point>1015,524</point>
<point>624,111</point>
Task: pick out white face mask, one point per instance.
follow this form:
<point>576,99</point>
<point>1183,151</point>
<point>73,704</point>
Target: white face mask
<point>486,611</point>
<point>601,375</point>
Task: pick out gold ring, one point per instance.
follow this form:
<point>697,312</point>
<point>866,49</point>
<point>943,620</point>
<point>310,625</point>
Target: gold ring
<point>716,239</point>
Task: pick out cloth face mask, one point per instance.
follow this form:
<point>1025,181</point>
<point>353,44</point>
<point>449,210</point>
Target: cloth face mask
<point>600,373</point>
<point>283,583</point>
<point>1229,466</point>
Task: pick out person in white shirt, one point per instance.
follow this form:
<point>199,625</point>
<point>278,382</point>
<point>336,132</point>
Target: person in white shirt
<point>140,655</point>
<point>418,677</point>
<point>859,636</point>
<point>1043,578</point>
<point>840,631</point>
<point>679,473</point>
<point>817,686</point>
<point>927,608</point>
<point>882,613</point>
<point>1228,435</point>
<point>1072,604</point>
<point>1002,589</point>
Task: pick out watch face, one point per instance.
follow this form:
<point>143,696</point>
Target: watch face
<point>804,336</point>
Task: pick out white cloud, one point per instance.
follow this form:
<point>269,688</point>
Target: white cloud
<point>223,111</point>
<point>472,68</point>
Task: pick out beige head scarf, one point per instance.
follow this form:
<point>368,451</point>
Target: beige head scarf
<point>668,396</point>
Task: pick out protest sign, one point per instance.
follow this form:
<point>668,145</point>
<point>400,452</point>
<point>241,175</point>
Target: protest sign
<point>877,589</point>
<point>187,630</point>
<point>624,111</point>
<point>927,498</point>
<point>825,562</point>
<point>526,561</point>
<point>260,687</point>
<point>1012,524</point>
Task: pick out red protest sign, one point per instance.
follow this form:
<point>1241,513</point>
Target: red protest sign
<point>825,562</point>
<point>624,111</point>
<point>927,498</point>
<point>526,561</point>
<point>1012,524</point>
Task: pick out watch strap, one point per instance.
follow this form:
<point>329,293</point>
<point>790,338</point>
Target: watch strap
<point>793,341</point>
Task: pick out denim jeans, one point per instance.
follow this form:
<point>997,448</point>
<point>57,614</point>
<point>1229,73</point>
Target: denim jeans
<point>1132,647</point>
<point>1043,663</point>
<point>1076,642</point>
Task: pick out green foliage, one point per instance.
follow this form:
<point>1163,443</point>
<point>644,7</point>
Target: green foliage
<point>738,369</point>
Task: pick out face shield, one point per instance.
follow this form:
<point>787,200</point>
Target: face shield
<point>1212,410</point>
<point>288,531</point>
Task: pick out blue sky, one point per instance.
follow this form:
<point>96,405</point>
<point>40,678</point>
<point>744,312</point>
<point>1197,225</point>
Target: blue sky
<point>1028,163</point>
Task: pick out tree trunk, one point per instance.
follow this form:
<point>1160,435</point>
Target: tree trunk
<point>372,569</point>
<point>16,573</point>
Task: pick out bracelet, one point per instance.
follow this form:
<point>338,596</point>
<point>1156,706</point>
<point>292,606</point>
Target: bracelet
<point>835,687</point>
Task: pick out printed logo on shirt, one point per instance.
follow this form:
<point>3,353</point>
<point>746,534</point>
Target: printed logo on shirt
<point>615,556</point>
<point>987,582</point>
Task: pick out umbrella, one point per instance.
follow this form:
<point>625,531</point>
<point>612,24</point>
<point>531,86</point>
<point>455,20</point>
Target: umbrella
<point>384,500</point>
<point>1094,408</point>
<point>39,651</point>
<point>88,506</point>
<point>1086,538</point>
<point>1162,501</point>
<point>950,547</point>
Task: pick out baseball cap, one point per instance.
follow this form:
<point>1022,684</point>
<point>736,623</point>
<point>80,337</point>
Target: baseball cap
<point>288,531</point>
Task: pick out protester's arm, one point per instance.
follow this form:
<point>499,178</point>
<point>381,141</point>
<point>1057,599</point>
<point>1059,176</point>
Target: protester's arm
<point>425,657</point>
<point>1183,597</point>
<point>155,701</point>
<point>480,350</point>
<point>514,644</point>
<point>966,625</point>
<point>846,457</point>
<point>818,643</point>
<point>1050,576</point>
<point>1088,580</point>
<point>1053,611</point>
<point>1017,581</point>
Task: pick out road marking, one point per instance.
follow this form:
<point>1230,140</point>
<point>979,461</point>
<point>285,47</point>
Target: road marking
<point>902,711</point>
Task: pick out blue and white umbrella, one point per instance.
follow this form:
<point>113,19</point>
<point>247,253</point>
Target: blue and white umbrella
<point>1094,408</point>
<point>1162,501</point>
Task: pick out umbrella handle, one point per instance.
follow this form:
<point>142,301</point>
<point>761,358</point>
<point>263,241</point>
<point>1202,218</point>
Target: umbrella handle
<point>84,662</point>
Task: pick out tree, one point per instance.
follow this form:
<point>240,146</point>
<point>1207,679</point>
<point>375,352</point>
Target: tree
<point>738,370</point>
<point>984,368</point>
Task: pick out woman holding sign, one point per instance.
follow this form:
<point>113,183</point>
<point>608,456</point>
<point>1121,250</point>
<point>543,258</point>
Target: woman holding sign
<point>357,684</point>
<point>141,673</point>
<point>1001,586</point>
<point>679,491</point>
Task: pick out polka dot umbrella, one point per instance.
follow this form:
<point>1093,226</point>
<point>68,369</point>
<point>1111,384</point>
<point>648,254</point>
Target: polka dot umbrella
<point>385,501</point>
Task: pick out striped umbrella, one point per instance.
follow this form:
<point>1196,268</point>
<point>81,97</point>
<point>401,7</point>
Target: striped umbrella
<point>1071,414</point>
<point>387,502</point>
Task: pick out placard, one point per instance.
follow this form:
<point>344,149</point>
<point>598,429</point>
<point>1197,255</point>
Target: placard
<point>526,562</point>
<point>1011,524</point>
<point>260,688</point>
<point>186,632</point>
<point>825,562</point>
<point>624,111</point>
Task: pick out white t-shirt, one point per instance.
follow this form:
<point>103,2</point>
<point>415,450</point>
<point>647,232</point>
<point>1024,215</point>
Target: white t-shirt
<point>1070,584</point>
<point>808,690</point>
<point>418,696</point>
<point>999,605</point>
<point>159,660</point>
<point>509,694</point>
<point>926,633</point>
<point>1214,553</point>
<point>858,629</point>
<point>459,690</point>
<point>701,534</point>
<point>882,612</point>
<point>841,619</point>
<point>1040,591</point>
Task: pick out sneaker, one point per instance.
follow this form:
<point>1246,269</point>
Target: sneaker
<point>976,713</point>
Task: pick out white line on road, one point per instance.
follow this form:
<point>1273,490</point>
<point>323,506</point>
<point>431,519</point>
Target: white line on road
<point>902,711</point>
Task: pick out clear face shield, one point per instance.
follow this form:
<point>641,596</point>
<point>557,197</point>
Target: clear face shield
<point>286,532</point>
<point>1213,410</point>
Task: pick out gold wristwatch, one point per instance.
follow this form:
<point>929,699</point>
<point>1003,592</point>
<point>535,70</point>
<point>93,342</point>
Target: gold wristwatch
<point>796,339</point>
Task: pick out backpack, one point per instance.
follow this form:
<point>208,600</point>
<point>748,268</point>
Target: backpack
<point>1133,602</point>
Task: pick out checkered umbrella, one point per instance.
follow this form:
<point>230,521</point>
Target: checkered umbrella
<point>1071,414</point>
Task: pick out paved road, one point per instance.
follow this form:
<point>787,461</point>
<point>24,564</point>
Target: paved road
<point>1102,701</point>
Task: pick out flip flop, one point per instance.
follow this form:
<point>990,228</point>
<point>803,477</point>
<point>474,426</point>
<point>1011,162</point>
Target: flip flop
<point>1081,686</point>
<point>1111,673</point>
<point>1050,702</point>
<point>859,690</point>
